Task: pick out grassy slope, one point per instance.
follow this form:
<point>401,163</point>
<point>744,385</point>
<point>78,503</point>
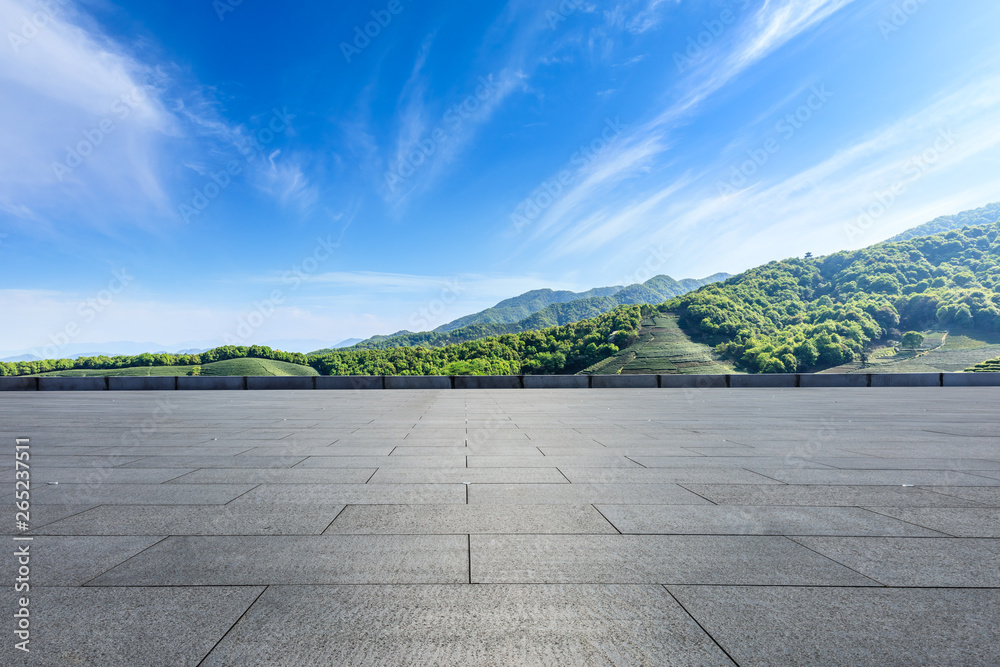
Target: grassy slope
<point>233,367</point>
<point>961,350</point>
<point>663,348</point>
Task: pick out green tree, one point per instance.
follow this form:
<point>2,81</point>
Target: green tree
<point>912,340</point>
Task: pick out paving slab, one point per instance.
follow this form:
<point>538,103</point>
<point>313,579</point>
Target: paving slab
<point>139,494</point>
<point>956,522</point>
<point>295,560</point>
<point>663,559</point>
<point>540,461</point>
<point>194,462</point>
<point>916,562</point>
<point>355,494</point>
<point>686,458</point>
<point>848,626</point>
<point>42,515</point>
<point>107,475</point>
<point>196,520</point>
<point>110,626</point>
<point>728,520</point>
<point>74,560</point>
<point>472,449</point>
<point>41,462</point>
<point>713,475</point>
<point>575,494</point>
<point>469,519</point>
<point>985,496</point>
<point>383,462</point>
<point>276,476</point>
<point>878,477</point>
<point>830,496</point>
<point>467,625</point>
<point>901,463</point>
<point>468,476</point>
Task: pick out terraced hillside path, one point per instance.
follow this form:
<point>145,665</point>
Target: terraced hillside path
<point>663,348</point>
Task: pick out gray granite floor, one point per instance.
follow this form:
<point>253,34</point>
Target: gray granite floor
<point>538,527</point>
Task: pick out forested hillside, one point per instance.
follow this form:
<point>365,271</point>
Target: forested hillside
<point>801,314</point>
<point>986,215</point>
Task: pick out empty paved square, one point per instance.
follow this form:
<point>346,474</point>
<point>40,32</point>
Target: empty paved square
<point>482,527</point>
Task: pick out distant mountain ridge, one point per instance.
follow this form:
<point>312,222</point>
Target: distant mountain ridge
<point>545,308</point>
<point>518,308</point>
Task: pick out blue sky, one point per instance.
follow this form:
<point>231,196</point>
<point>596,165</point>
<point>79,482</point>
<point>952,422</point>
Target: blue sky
<point>197,172</point>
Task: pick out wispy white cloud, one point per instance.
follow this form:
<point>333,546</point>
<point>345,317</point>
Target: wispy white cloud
<point>648,17</point>
<point>88,118</point>
<point>644,145</point>
<point>907,172</point>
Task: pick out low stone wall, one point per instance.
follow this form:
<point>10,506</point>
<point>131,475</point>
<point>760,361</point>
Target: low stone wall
<point>438,382</point>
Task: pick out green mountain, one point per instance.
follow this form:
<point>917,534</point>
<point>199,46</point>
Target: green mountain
<point>804,314</point>
<point>520,307</point>
<point>981,216</point>
<point>545,308</point>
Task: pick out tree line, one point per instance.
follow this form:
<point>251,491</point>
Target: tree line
<point>555,350</point>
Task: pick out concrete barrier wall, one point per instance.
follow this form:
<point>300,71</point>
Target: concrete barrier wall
<point>556,382</point>
<point>906,380</point>
<point>971,380</point>
<point>487,382</point>
<point>273,383</point>
<point>763,381</point>
<point>142,384</point>
<point>18,384</point>
<point>72,384</point>
<point>624,381</point>
<point>353,383</point>
<point>418,382</point>
<point>208,383</point>
<point>830,380</point>
<point>694,381</point>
